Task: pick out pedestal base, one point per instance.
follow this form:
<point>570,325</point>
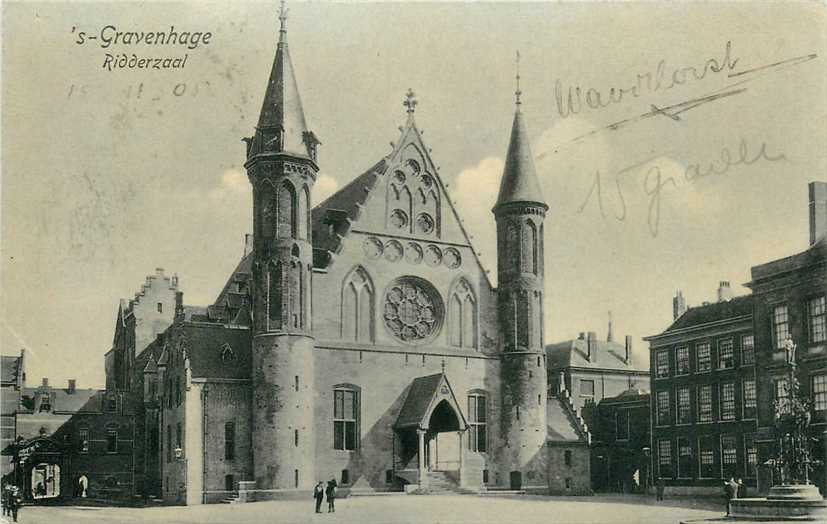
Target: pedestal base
<point>787,502</point>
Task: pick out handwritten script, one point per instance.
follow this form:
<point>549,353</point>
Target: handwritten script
<point>655,180</point>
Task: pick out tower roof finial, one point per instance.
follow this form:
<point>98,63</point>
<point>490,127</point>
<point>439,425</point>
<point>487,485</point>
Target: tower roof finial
<point>283,22</point>
<point>517,93</point>
<point>410,101</point>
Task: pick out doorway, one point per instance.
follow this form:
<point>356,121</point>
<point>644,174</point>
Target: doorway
<point>45,481</point>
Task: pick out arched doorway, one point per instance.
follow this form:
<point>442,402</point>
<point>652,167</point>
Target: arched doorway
<point>443,439</point>
<point>45,481</point>
<point>428,434</point>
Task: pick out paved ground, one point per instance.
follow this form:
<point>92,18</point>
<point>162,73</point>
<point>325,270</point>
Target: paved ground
<point>402,510</point>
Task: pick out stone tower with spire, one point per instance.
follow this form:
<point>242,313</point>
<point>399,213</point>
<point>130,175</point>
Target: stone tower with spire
<point>281,166</point>
<point>519,213</point>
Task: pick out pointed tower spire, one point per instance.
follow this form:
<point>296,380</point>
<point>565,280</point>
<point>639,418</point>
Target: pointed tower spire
<point>519,181</point>
<point>281,123</point>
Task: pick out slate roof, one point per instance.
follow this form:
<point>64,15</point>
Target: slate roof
<point>696,316</point>
<point>204,346</point>
<point>561,424</point>
<point>82,400</point>
<point>419,398</point>
<point>341,209</point>
<point>519,182</point>
<point>9,369</point>
<point>572,353</point>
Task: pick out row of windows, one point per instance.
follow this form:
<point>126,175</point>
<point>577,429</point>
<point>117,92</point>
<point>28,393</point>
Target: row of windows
<point>703,357</point>
<point>682,400</point>
<point>816,310</point>
<point>708,456</point>
<point>111,434</point>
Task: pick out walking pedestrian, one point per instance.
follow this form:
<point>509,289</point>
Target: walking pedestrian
<point>15,502</point>
<point>730,492</point>
<point>5,495</point>
<point>318,494</point>
<point>742,489</point>
<point>660,488</point>
<point>331,496</point>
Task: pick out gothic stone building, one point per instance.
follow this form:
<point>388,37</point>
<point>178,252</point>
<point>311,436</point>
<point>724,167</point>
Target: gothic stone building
<point>361,339</point>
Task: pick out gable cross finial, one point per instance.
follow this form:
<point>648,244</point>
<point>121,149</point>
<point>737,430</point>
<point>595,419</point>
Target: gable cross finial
<point>517,93</point>
<point>410,101</point>
<point>283,21</point>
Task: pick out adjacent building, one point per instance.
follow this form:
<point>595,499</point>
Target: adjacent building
<point>12,382</point>
<point>704,402</point>
<point>621,440</point>
<point>592,369</point>
<point>790,298</point>
<point>719,369</point>
<point>63,433</point>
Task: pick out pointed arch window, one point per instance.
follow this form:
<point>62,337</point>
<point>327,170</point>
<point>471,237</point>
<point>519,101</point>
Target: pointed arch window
<point>274,286</point>
<point>268,211</point>
<point>302,217</point>
<point>512,243</point>
<point>528,248</point>
<point>358,306</point>
<point>286,211</point>
<point>477,421</point>
<point>462,315</point>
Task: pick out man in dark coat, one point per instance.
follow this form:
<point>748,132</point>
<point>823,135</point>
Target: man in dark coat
<point>331,496</point>
<point>318,494</point>
<point>742,490</point>
<point>730,492</point>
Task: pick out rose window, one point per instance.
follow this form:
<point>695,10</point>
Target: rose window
<point>425,223</point>
<point>413,310</point>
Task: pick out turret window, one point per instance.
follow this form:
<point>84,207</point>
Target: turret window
<point>286,211</point>
<point>274,295</point>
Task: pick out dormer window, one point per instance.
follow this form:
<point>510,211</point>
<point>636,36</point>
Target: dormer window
<point>45,404</point>
<point>227,353</point>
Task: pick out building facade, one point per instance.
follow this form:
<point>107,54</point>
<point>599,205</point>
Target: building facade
<point>789,299</point>
<point>359,340</point>
<point>12,382</point>
<point>704,402</point>
<point>64,433</point>
<point>719,369</point>
<point>621,440</point>
<point>592,369</point>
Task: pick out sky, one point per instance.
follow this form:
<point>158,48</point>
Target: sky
<point>683,161</point>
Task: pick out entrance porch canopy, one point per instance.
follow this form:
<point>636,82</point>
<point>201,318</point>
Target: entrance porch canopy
<point>424,396</point>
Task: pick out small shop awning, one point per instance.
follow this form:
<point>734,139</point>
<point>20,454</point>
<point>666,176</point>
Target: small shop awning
<point>424,395</point>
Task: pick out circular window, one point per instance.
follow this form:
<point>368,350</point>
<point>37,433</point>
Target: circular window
<point>413,310</point>
<point>373,248</point>
<point>413,254</point>
<point>399,177</point>
<point>399,219</point>
<point>426,181</point>
<point>425,223</point>
<point>452,258</point>
<point>433,255</point>
<point>393,250</point>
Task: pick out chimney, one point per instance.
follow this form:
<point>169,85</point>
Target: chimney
<point>159,271</point>
<point>628,349</point>
<point>45,382</point>
<point>581,336</point>
<point>562,382</point>
<point>818,211</point>
<point>248,244</point>
<point>724,291</point>
<point>71,387</point>
<point>591,346</point>
<point>609,337</point>
<point>179,304</point>
<point>678,305</point>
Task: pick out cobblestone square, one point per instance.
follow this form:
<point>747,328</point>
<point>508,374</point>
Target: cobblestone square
<point>399,509</point>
